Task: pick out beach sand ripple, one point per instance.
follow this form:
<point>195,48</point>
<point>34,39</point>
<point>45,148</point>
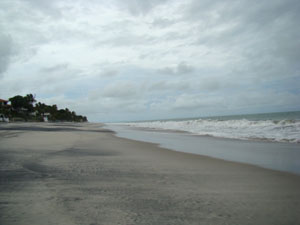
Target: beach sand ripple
<point>83,174</point>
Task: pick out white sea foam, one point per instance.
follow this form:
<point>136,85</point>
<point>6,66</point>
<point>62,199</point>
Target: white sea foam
<point>271,130</point>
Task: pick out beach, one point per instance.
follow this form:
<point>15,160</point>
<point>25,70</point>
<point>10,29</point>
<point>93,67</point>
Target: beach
<point>82,173</point>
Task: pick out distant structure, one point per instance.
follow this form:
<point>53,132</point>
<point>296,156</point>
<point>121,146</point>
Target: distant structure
<point>4,107</point>
<point>3,102</point>
<point>46,117</point>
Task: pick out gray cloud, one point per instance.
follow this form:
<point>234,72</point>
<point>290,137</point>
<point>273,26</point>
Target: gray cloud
<point>188,101</point>
<point>127,40</point>
<point>162,22</point>
<point>120,90</point>
<point>56,68</point>
<point>261,34</point>
<point>109,73</point>
<point>136,7</point>
<point>180,69</point>
<point>170,86</point>
<point>113,57</point>
<point>46,7</point>
<point>211,84</point>
<point>5,52</point>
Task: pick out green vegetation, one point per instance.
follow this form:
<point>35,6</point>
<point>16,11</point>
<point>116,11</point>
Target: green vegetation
<point>23,108</point>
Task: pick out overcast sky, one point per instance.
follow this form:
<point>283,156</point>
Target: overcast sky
<point>148,59</point>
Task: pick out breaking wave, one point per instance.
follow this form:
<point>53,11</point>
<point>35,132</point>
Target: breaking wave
<point>269,130</point>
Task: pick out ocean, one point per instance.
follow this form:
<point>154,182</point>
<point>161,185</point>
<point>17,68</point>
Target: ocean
<point>272,127</point>
<point>270,140</point>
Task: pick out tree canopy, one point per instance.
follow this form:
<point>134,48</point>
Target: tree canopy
<point>24,107</point>
<point>19,102</point>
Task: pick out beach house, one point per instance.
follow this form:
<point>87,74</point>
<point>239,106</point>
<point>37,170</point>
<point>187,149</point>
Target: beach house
<point>4,106</point>
<point>3,102</point>
<point>46,117</point>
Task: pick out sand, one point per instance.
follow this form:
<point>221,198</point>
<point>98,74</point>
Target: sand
<point>82,174</point>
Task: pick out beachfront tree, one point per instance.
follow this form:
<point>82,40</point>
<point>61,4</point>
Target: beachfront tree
<point>41,108</point>
<point>23,108</point>
<point>19,102</point>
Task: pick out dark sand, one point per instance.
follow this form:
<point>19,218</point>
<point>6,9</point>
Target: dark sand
<point>80,174</point>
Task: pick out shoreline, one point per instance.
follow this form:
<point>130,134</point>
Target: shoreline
<point>269,155</point>
<point>195,155</point>
<point>84,174</point>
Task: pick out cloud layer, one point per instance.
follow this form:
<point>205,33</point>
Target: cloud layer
<point>152,59</point>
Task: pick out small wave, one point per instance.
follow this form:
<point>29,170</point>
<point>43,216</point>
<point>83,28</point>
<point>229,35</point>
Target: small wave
<point>269,130</point>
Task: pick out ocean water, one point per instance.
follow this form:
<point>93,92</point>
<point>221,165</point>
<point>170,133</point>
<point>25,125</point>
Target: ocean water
<point>273,127</point>
<point>280,156</point>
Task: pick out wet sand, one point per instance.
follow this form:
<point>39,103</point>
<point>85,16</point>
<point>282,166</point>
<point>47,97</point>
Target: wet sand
<point>271,155</point>
<point>82,174</point>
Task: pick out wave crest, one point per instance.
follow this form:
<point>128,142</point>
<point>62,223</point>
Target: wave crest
<point>270,130</point>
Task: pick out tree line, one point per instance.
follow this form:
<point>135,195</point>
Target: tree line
<point>25,108</point>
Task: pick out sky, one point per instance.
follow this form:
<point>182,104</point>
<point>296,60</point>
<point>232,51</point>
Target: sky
<point>152,59</point>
